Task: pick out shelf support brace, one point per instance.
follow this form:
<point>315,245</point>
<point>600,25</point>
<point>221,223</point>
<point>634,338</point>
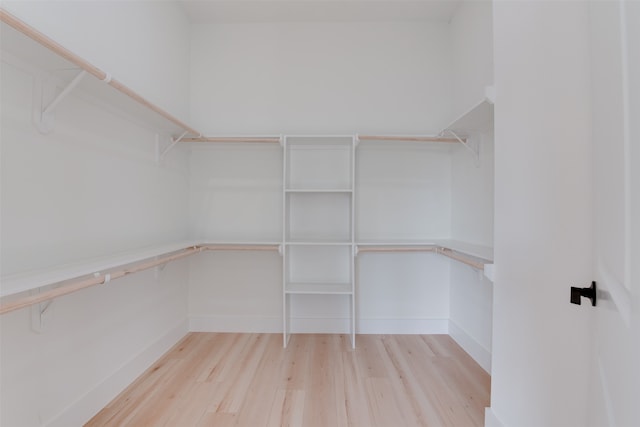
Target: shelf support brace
<point>39,313</point>
<point>465,144</point>
<point>174,142</point>
<point>44,118</point>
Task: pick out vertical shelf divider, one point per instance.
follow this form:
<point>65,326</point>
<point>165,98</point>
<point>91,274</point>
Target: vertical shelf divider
<point>354,142</point>
<point>285,249</point>
<point>318,230</point>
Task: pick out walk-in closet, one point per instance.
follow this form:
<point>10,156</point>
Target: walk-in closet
<point>272,212</point>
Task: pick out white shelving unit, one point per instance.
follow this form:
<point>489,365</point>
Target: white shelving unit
<point>318,221</point>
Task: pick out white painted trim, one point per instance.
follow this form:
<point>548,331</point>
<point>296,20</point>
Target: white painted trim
<point>246,324</point>
<point>271,324</point>
<point>606,393</point>
<point>83,409</point>
<point>490,418</point>
<point>402,326</point>
<point>309,325</point>
<point>477,352</point>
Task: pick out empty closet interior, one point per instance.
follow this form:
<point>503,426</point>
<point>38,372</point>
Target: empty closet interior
<point>171,167</point>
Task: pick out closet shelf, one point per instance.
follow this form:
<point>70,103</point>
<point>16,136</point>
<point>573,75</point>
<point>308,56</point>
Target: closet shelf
<point>477,119</point>
<point>240,243</point>
<point>407,138</point>
<point>311,190</point>
<point>22,282</point>
<point>476,256</point>
<point>396,248</point>
<point>319,288</point>
<point>484,253</point>
<point>31,47</point>
<point>310,242</point>
<point>104,272</point>
<point>240,247</point>
<point>235,139</point>
<point>97,271</point>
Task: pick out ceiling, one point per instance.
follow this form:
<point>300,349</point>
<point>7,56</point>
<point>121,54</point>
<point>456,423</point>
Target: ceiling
<point>232,11</point>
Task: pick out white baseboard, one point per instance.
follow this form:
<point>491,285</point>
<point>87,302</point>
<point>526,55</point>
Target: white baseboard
<point>245,324</point>
<point>490,419</point>
<point>91,403</point>
<point>310,325</point>
<point>402,326</point>
<point>317,325</point>
<point>480,354</point>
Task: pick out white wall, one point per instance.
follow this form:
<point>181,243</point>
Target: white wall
<point>326,78</point>
<point>236,196</point>
<point>543,222</point>
<point>236,292</point>
<point>236,192</point>
<point>472,54</point>
<point>320,77</point>
<point>403,192</point>
<point>472,193</point>
<point>472,214</point>
<point>89,188</point>
<point>143,44</point>
<point>472,184</point>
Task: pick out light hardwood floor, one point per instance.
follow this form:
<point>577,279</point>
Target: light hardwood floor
<point>212,379</point>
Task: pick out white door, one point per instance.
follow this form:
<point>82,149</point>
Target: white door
<point>615,64</point>
<point>567,211</point>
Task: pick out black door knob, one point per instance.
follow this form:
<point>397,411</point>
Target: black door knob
<point>578,293</point>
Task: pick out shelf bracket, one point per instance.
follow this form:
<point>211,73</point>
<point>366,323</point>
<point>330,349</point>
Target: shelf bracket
<point>174,142</point>
<point>44,115</point>
<point>39,314</point>
<point>475,151</point>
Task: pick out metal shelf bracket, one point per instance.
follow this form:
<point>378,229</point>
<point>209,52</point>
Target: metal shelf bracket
<point>39,314</point>
<point>160,155</point>
<point>469,143</point>
<point>43,114</point>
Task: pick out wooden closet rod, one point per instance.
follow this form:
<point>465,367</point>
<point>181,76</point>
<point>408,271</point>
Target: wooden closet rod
<point>55,47</point>
<point>440,250</point>
<point>453,255</point>
<point>396,249</point>
<point>99,279</point>
<point>232,139</point>
<point>408,138</point>
<point>239,247</point>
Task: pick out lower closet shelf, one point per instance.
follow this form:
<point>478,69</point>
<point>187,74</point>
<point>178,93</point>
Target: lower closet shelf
<point>319,288</point>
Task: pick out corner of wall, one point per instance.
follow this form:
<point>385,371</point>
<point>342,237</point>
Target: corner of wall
<point>83,409</point>
<point>481,355</point>
<point>490,418</point>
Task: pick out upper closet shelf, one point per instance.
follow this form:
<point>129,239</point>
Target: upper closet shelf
<point>236,139</point>
<point>24,46</point>
<point>477,119</point>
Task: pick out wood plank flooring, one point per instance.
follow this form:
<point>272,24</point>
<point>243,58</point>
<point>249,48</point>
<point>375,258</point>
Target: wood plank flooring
<point>249,380</point>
